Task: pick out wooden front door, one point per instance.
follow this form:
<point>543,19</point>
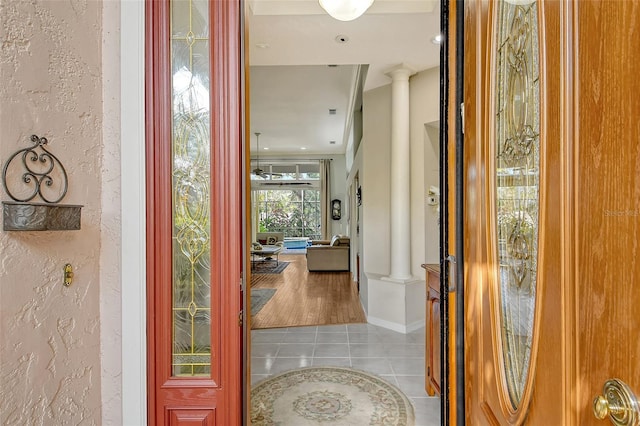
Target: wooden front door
<point>194,212</point>
<point>552,208</point>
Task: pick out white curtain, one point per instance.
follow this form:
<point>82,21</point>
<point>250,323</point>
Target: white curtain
<point>325,198</point>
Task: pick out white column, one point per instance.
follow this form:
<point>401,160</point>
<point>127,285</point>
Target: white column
<point>400,175</point>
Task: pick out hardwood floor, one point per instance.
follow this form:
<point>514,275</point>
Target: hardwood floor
<point>307,298</point>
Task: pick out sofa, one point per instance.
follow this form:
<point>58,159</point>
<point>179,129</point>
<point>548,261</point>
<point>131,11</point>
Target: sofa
<point>329,255</point>
<point>270,238</point>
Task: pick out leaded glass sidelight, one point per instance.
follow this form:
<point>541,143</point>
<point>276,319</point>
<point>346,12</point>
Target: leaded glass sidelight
<point>191,295</point>
<point>517,124</point>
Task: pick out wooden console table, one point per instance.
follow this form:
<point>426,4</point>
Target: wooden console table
<point>432,359</point>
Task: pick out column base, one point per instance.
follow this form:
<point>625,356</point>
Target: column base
<point>393,326</point>
<point>399,280</point>
<point>398,305</point>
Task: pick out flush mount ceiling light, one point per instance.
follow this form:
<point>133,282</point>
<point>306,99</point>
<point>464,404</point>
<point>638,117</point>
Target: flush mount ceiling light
<point>345,10</point>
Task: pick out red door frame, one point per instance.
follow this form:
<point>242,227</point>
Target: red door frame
<point>218,399</point>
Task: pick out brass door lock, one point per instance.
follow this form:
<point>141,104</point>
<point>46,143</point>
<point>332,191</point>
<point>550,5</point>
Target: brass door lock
<point>68,275</point>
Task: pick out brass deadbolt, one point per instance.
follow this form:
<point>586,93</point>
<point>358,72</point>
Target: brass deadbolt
<point>68,275</point>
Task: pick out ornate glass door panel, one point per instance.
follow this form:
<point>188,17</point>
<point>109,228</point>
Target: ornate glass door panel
<point>512,194</point>
<point>551,225</point>
<point>517,171</point>
<point>191,194</point>
<point>194,196</point>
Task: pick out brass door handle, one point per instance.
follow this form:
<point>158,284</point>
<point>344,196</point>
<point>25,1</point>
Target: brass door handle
<point>619,403</point>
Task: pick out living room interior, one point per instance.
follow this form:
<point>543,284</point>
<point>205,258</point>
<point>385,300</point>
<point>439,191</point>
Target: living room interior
<point>320,92</point>
<point>321,105</point>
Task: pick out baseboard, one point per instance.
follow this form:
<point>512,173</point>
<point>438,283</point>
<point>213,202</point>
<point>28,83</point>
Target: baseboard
<point>400,328</point>
<point>416,325</point>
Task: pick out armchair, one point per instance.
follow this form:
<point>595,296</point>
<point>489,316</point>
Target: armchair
<point>329,255</point>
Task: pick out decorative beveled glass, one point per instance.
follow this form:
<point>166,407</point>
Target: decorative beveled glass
<point>517,149</point>
<point>191,292</point>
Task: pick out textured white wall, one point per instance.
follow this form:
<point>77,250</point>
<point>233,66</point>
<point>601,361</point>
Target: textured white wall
<point>51,85</point>
<point>425,109</point>
<point>356,240</point>
<point>110,232</point>
<point>339,191</point>
<point>375,225</point>
<point>375,180</point>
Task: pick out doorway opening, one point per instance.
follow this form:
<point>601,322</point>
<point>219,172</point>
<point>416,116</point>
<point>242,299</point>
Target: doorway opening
<point>365,86</point>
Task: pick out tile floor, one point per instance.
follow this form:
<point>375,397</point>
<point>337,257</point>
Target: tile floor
<point>396,357</point>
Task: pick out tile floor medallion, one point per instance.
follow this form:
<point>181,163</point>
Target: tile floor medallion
<point>395,357</point>
<point>329,395</point>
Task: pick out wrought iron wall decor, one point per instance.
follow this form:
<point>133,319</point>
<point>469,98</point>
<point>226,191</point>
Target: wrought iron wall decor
<point>34,173</point>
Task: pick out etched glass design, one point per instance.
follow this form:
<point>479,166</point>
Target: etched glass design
<point>517,123</point>
<point>191,295</point>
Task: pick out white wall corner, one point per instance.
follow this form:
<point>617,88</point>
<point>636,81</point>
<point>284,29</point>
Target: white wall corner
<point>133,276</point>
<point>398,306</point>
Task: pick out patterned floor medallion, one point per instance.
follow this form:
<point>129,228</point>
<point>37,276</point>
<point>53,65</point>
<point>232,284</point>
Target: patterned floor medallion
<point>328,396</point>
<point>322,405</point>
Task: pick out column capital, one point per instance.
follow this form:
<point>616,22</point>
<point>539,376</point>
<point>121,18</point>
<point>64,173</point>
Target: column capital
<point>400,72</point>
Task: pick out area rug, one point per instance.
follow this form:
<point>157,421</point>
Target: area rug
<point>260,297</point>
<point>329,396</point>
<point>269,267</point>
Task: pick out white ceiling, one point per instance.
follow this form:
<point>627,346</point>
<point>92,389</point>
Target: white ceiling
<point>292,88</point>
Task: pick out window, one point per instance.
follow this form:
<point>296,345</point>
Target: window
<point>285,171</point>
<point>287,197</point>
<point>296,212</point>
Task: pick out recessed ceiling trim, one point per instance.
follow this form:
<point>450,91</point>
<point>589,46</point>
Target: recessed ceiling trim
<point>312,7</point>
